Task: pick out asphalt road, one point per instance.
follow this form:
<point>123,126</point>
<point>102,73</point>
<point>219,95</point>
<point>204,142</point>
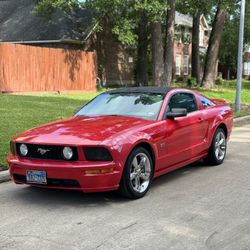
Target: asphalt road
<point>197,207</point>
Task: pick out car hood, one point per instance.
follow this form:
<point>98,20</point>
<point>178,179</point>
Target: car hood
<point>82,130</point>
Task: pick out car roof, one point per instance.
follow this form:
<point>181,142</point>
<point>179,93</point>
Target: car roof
<point>148,90</point>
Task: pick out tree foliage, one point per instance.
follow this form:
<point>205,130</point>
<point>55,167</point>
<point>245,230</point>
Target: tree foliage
<point>191,6</point>
<point>229,44</point>
<point>123,14</point>
<point>47,7</point>
<point>125,17</point>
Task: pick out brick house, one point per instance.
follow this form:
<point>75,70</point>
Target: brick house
<point>116,64</point>
<point>183,44</point>
<point>246,63</point>
<point>119,69</point>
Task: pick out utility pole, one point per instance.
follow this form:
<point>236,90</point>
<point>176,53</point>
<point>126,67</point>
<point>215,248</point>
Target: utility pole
<point>240,56</point>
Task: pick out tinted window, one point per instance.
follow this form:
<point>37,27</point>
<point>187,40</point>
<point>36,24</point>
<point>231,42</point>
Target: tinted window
<point>205,102</point>
<point>124,104</point>
<point>184,101</point>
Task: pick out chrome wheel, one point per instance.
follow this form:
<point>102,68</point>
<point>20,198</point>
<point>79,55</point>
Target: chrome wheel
<point>140,172</point>
<point>220,146</point>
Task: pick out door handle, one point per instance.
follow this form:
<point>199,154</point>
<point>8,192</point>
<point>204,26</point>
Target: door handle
<point>200,119</point>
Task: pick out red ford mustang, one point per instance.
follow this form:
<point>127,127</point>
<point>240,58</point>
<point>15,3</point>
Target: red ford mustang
<point>122,139</point>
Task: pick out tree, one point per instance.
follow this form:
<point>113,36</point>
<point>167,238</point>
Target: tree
<point>196,46</point>
<point>196,9</point>
<point>130,19</point>
<point>211,62</point>
<point>157,54</point>
<point>224,9</point>
<point>228,50</point>
<point>47,7</point>
<point>142,51</point>
<point>155,13</point>
<point>169,43</point>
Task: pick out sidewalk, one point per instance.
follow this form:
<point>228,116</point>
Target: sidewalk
<point>4,176</point>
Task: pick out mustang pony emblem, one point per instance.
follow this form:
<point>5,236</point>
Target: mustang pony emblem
<point>42,151</point>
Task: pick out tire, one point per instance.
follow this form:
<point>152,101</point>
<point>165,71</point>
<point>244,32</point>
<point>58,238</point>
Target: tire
<point>218,149</point>
<point>137,174</point>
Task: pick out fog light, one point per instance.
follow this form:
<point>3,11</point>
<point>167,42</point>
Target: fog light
<point>67,153</point>
<point>23,150</point>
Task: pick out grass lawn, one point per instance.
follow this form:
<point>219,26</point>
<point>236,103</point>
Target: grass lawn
<point>21,112</point>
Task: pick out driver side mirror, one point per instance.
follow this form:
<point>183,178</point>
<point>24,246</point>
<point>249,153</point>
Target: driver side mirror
<point>174,113</point>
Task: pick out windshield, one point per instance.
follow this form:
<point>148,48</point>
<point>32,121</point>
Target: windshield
<point>141,105</point>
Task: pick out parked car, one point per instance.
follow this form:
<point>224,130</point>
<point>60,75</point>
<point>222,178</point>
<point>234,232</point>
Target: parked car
<point>122,139</point>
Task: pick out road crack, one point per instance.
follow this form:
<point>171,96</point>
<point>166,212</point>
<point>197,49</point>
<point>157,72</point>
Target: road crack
<point>116,233</point>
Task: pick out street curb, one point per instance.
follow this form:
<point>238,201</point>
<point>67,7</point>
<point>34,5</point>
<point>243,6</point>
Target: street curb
<point>241,121</point>
<point>4,176</point>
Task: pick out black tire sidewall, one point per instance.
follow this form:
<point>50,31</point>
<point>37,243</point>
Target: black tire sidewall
<point>216,160</point>
<point>126,174</point>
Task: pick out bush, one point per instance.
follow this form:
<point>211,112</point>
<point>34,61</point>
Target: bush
<point>219,81</point>
<point>180,79</point>
<point>191,81</point>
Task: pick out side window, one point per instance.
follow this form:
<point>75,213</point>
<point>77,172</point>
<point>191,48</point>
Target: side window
<point>205,102</point>
<point>183,100</point>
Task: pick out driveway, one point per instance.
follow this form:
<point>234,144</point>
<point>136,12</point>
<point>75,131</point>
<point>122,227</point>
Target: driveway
<point>197,207</point>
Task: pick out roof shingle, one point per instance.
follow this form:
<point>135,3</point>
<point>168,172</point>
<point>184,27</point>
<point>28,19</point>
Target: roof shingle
<point>19,23</point>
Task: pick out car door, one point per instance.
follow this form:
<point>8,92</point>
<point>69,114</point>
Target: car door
<point>183,134</point>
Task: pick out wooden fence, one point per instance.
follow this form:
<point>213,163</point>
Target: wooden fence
<point>30,68</point>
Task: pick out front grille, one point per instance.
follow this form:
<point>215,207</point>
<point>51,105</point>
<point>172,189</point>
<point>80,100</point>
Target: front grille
<point>51,182</point>
<point>52,152</point>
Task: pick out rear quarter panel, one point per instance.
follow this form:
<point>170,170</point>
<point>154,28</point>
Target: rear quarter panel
<point>216,116</point>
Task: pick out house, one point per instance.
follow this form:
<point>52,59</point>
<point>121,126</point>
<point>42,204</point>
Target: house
<point>75,30</point>
<point>246,63</point>
<point>183,44</point>
<point>41,54</point>
<point>119,69</point>
<point>19,24</point>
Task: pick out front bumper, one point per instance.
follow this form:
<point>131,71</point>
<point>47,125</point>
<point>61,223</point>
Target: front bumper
<point>67,175</point>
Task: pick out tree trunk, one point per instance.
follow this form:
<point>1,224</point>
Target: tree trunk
<point>142,53</point>
<point>169,44</point>
<point>213,48</point>
<point>196,46</point>
<point>228,74</point>
<point>157,54</point>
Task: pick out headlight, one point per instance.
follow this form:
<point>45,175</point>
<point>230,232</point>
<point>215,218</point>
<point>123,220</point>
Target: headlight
<point>23,150</point>
<point>97,154</point>
<point>67,153</point>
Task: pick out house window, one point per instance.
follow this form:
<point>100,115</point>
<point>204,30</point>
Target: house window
<point>178,65</point>
<point>201,37</point>
<point>186,65</point>
<point>186,36</point>
<point>178,33</point>
<point>246,68</point>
